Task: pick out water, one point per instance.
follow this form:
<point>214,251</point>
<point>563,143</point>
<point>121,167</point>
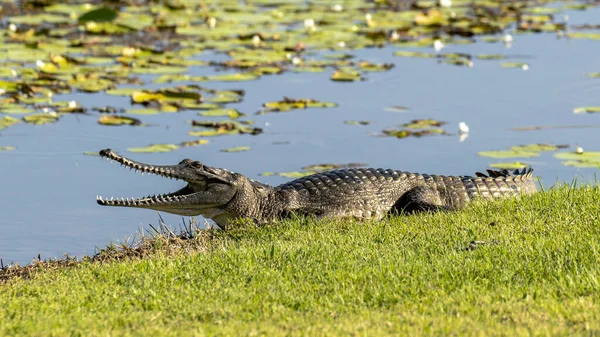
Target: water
<point>49,187</point>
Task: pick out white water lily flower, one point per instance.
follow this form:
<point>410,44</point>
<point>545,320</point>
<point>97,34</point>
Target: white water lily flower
<point>212,22</point>
<point>256,40</point>
<point>446,3</point>
<point>309,23</point>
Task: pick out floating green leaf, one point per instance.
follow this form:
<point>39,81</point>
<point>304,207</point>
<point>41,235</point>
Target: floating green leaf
<point>584,35</point>
<point>15,109</point>
<point>236,149</point>
<point>154,148</point>
<point>7,148</point>
<point>522,151</point>
<point>114,120</point>
<point>291,103</point>
<point>122,91</point>
<point>490,56</point>
<point>357,122</point>
<point>295,174</point>
<point>231,113</point>
<point>224,127</point>
<point>236,77</point>
<point>588,109</point>
<point>423,124</point>
<point>103,14</point>
<point>194,142</point>
<point>396,108</point>
<point>509,165</point>
<point>92,84</point>
<point>513,153</point>
<point>328,167</point>
<point>9,86</point>
<point>368,66</point>
<point>538,147</point>
<point>346,76</point>
<point>586,156</point>
<point>519,65</point>
<point>6,121</point>
<point>413,133</point>
<point>579,159</point>
<point>43,118</point>
<point>417,54</point>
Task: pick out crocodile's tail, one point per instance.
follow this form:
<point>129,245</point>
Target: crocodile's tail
<point>525,173</point>
<point>519,181</point>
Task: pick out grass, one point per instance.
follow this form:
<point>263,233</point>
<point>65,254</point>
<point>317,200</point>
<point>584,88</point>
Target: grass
<point>517,267</point>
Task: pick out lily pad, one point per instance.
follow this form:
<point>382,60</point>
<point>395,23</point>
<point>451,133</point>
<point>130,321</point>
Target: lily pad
<point>224,127</point>
<point>295,174</point>
<point>423,123</point>
<point>519,65</point>
<point>396,108</point>
<point>346,76</point>
<point>9,86</point>
<point>13,109</point>
<point>588,109</point>
<point>92,84</point>
<point>584,156</point>
<point>236,149</point>
<point>113,120</point>
<point>513,153</point>
<point>413,133</point>
<point>358,122</point>
<point>103,14</point>
<point>154,148</point>
<point>6,121</point>
<point>368,66</point>
<point>43,118</point>
<point>231,113</point>
<point>417,54</point>
<point>236,77</point>
<point>122,91</point>
<point>328,167</point>
<point>7,148</point>
<point>491,56</point>
<point>194,142</point>
<point>539,147</point>
<point>508,165</point>
<point>291,103</point>
<point>584,35</point>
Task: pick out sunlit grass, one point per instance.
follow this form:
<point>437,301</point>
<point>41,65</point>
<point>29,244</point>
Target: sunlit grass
<point>529,266</point>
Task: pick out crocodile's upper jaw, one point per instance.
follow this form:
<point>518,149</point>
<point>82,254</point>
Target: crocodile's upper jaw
<point>207,188</point>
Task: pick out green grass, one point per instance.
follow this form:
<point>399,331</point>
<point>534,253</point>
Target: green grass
<point>517,267</point>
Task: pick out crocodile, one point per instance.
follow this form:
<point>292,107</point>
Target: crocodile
<point>362,193</point>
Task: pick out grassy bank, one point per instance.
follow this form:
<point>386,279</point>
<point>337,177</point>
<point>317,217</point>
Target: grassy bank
<point>519,267</point>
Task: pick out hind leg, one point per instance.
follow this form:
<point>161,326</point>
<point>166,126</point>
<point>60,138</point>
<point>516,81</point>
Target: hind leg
<point>419,199</point>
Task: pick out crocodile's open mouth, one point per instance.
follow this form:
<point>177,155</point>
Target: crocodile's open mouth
<point>194,173</point>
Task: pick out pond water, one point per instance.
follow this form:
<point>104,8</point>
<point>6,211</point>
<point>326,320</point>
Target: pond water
<point>49,185</point>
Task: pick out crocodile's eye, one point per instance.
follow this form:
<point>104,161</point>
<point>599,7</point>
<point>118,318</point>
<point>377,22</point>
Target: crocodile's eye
<point>186,161</point>
<point>196,164</point>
